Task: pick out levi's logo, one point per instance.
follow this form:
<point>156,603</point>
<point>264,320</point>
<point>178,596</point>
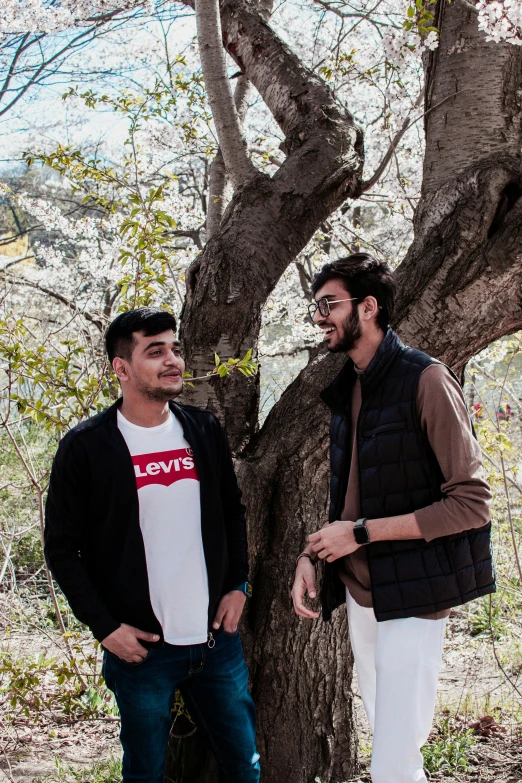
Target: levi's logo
<point>164,467</point>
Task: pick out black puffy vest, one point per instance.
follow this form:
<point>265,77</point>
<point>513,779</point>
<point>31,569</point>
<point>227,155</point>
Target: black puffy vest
<point>398,474</point>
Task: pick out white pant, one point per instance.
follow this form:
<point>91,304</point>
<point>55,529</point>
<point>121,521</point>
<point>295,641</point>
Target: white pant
<point>397,663</point>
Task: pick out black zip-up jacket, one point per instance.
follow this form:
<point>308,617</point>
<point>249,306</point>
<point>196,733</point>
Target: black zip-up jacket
<point>93,540</point>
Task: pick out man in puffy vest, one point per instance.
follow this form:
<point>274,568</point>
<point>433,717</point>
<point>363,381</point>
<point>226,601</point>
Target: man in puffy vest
<point>408,535</point>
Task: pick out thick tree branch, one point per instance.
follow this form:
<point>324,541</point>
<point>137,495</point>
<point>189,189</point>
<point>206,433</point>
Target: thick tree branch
<point>233,146</point>
<point>219,194</point>
<point>483,118</point>
<point>219,186</point>
<point>466,254</point>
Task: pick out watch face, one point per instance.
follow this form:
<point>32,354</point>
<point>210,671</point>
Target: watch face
<point>248,589</point>
<point>361,534</point>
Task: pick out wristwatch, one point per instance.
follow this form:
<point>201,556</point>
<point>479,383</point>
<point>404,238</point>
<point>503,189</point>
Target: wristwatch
<point>245,588</point>
<point>360,532</point>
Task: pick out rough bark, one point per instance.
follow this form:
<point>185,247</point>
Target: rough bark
<point>482,121</point>
<point>465,258</point>
<point>269,219</point>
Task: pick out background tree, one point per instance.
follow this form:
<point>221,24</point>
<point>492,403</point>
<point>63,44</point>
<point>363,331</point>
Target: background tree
<point>463,260</point>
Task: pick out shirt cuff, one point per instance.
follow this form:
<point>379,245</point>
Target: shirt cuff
<point>103,626</point>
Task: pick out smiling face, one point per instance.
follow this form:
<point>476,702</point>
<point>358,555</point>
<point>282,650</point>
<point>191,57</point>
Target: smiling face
<point>155,368</point>
<point>342,328</point>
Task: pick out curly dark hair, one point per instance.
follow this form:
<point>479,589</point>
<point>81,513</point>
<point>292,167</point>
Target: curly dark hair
<point>362,276</point>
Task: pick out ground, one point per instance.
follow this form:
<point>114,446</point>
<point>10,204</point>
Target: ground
<point>477,729</point>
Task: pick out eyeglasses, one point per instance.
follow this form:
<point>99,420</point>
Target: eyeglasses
<point>323,305</point>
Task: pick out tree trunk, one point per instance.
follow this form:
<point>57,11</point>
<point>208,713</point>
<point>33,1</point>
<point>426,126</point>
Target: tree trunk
<point>301,671</point>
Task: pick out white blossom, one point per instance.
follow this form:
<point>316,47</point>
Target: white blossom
<point>501,20</point>
<point>43,16</point>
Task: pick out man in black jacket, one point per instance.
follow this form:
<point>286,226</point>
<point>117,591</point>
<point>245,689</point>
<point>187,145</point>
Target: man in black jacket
<point>409,533</point>
<point>145,534</point>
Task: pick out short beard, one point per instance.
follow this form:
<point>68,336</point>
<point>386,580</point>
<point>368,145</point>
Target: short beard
<point>157,394</point>
<point>350,334</point>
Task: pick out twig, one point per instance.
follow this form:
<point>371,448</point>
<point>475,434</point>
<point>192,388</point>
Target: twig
<point>504,672</point>
<point>63,299</point>
<point>508,499</point>
<point>9,774</point>
<point>7,551</point>
<point>398,136</point>
<point>512,481</point>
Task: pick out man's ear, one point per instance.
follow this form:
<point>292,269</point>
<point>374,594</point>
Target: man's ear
<point>370,308</point>
<point>120,367</point>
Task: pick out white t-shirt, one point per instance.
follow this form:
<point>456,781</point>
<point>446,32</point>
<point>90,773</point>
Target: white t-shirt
<point>170,521</point>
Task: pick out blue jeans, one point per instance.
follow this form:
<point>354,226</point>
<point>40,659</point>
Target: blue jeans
<point>214,686</point>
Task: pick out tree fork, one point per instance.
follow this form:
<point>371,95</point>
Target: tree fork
<point>269,219</point>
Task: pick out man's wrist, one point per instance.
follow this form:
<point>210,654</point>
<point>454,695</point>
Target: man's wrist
<point>307,556</point>
<point>245,588</point>
<point>360,531</point>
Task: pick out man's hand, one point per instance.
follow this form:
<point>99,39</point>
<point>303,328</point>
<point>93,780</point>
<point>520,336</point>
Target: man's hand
<point>304,581</point>
<point>334,541</point>
<point>229,611</point>
<point>123,642</point>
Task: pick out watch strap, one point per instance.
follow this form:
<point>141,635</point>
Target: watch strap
<point>313,560</point>
<point>244,587</point>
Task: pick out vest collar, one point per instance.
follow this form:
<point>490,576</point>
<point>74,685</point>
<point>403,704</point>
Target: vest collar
<point>337,393</point>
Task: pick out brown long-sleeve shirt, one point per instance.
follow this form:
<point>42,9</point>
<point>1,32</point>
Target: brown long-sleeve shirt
<point>465,505</point>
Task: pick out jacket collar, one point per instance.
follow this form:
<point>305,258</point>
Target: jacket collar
<point>337,394</point>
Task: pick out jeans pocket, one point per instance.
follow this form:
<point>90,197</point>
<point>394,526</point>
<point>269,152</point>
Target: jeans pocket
<point>231,633</point>
<point>134,663</point>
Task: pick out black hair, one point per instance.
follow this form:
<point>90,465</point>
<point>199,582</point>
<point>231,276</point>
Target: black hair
<point>119,340</point>
<point>362,275</point>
